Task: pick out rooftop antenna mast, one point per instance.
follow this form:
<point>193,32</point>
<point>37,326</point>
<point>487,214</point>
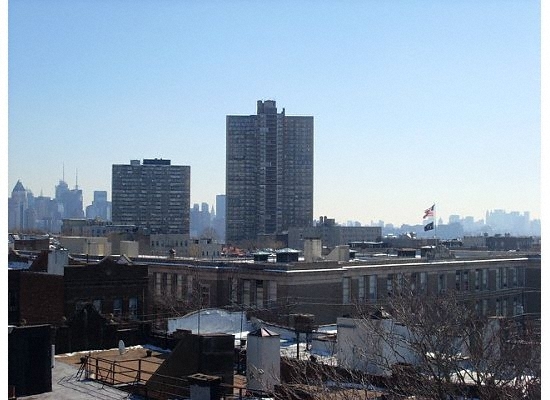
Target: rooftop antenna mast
<point>76,185</point>
<point>63,178</point>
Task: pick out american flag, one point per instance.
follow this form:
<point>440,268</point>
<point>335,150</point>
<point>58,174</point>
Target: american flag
<point>429,212</point>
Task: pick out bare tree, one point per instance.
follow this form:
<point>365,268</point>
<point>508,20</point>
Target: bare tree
<point>441,347</point>
<point>175,300</point>
<point>423,347</point>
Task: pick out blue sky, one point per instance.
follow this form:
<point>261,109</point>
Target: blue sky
<point>414,102</point>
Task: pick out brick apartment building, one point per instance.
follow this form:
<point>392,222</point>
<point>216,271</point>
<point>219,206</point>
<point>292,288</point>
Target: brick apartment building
<point>112,286</point>
<point>34,298</point>
<point>87,305</point>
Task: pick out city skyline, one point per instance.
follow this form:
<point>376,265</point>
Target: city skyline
<point>412,105</point>
<point>212,208</point>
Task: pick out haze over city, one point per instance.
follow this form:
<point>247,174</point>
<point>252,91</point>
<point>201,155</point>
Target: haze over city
<point>414,103</point>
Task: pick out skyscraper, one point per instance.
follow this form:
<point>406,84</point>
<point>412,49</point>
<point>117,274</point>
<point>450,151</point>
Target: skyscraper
<point>18,206</point>
<point>70,200</point>
<point>154,195</point>
<point>269,172</point>
<point>100,207</point>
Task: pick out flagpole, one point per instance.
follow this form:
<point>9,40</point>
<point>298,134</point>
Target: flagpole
<point>435,226</point>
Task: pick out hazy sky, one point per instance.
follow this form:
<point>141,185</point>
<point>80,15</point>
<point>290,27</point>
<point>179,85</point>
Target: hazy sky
<point>414,102</point>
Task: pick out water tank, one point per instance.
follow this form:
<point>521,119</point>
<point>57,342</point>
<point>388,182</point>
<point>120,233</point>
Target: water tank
<point>263,360</point>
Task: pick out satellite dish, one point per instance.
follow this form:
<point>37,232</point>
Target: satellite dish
<point>121,347</point>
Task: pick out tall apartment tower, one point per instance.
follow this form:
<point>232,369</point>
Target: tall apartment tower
<point>154,195</point>
<point>269,172</point>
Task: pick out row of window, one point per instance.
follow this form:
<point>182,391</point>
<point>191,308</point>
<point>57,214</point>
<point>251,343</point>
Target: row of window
<point>251,293</point>
<point>367,286</point>
<point>116,307</point>
<point>255,293</point>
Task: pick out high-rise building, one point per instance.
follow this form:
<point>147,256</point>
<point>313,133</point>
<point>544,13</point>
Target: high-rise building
<point>200,220</point>
<point>100,207</point>
<point>269,172</point>
<point>18,206</point>
<point>154,195</point>
<point>69,200</point>
<point>218,222</point>
<point>220,206</point>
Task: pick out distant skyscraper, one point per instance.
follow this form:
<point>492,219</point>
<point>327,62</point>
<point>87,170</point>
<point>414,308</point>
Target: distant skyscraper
<point>201,220</point>
<point>18,206</point>
<point>220,206</point>
<point>100,207</point>
<point>153,195</point>
<point>69,200</point>
<point>219,220</point>
<point>269,172</point>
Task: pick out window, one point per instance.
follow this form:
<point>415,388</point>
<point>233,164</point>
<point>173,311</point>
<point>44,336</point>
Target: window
<point>413,282</point>
<point>158,276</point>
<point>457,280</point>
<point>346,298</point>
<point>442,283</point>
<point>361,289</point>
<point>272,292</point>
<point>389,284</point>
<point>233,290</point>
<point>259,293</point>
<point>399,282</point>
<point>498,308</point>
<point>174,284</point>
<point>117,307</point>
<point>484,306</point>
<point>514,271</point>
<point>132,307</point>
<point>189,287</point>
<point>97,305</point>
<point>373,287</point>
<point>423,282</point>
<point>205,295</point>
<point>504,277</point>
<point>465,280</point>
<point>246,292</point>
<point>164,283</point>
<point>518,307</point>
<point>484,279</point>
<point>179,291</point>
<point>477,281</point>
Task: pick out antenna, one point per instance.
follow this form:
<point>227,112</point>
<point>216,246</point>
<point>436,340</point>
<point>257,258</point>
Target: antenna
<point>63,171</point>
<point>76,185</point>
